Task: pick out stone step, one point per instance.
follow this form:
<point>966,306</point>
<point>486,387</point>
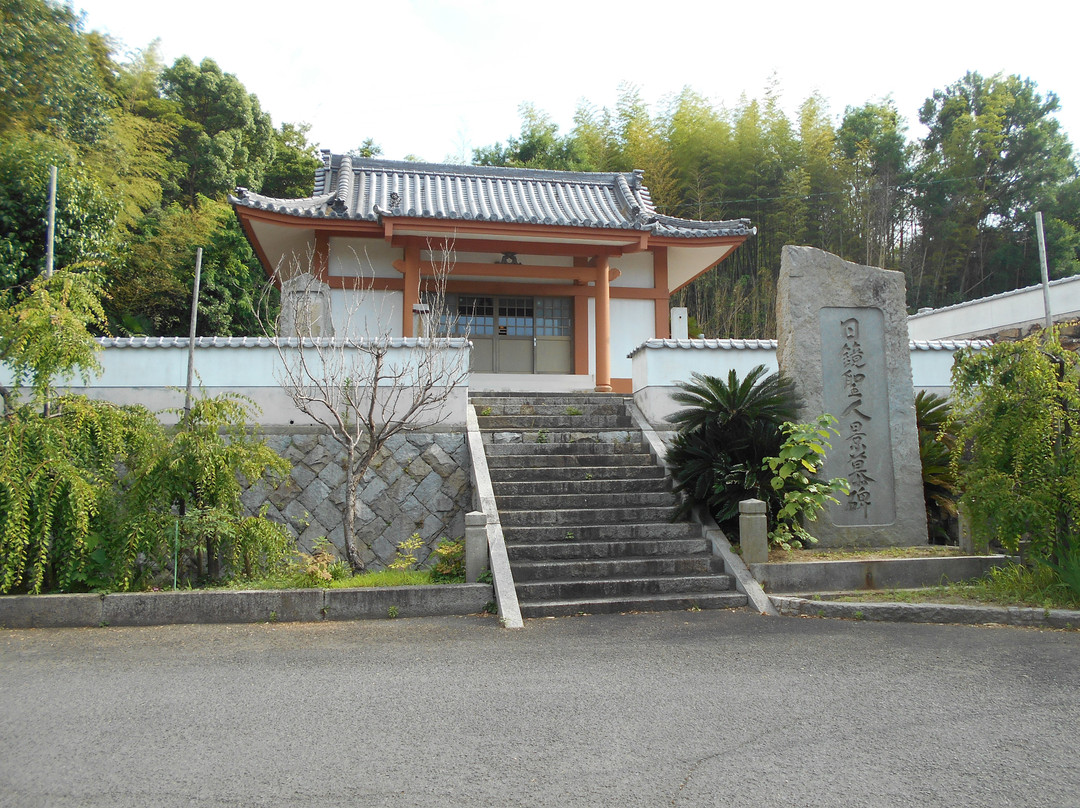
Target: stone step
<point>560,483</point>
<point>531,591</point>
<point>575,410</point>
<point>554,423</point>
<point>559,473</point>
<point>653,603</point>
<point>567,569</point>
<point>518,455</point>
<point>630,548</point>
<point>616,499</point>
<point>579,517</point>
<point>532,533</point>
<point>629,438</point>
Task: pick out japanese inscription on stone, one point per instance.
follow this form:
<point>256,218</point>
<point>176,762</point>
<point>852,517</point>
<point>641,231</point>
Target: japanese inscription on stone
<point>856,393</point>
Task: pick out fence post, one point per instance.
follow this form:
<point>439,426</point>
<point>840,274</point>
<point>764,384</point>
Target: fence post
<point>753,531</point>
<point>476,545</point>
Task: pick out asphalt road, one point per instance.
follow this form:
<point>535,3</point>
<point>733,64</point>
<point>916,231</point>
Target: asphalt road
<point>683,709</point>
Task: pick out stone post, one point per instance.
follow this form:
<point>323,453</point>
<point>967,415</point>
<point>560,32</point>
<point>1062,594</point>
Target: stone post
<point>967,537</point>
<point>476,547</point>
<point>842,338</point>
<point>753,531</point>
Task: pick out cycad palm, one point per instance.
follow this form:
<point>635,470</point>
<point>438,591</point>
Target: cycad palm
<point>725,433</point>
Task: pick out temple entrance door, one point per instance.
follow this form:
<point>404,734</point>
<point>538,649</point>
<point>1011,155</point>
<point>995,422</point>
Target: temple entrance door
<point>515,339</point>
<point>518,334</point>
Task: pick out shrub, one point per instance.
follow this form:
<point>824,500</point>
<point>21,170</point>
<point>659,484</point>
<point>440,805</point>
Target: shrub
<point>936,444</point>
<point>450,565</point>
<point>795,469</point>
<point>1016,415</point>
<point>724,435</point>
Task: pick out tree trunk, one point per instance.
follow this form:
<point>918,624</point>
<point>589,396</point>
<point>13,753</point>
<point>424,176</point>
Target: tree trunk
<point>352,555</point>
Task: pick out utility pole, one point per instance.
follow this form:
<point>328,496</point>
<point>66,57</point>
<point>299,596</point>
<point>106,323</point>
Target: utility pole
<point>1045,271</point>
<point>191,334</point>
<point>52,223</point>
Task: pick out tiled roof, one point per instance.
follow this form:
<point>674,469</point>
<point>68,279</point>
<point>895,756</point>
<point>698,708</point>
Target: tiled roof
<point>770,344</point>
<point>366,189</point>
<point>256,342</point>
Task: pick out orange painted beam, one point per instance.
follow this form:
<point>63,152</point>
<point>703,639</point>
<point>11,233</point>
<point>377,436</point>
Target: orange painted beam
<point>660,284</point>
<point>411,294</point>
<point>603,327</point>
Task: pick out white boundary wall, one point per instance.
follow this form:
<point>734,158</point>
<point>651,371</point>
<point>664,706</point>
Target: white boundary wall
<point>1021,308</point>
<point>152,371</point>
<point>658,365</point>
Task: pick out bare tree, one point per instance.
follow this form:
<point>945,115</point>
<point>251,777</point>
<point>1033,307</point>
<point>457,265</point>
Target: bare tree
<point>344,370</point>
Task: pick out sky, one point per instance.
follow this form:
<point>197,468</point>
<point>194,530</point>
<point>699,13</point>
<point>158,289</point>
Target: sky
<point>438,78</point>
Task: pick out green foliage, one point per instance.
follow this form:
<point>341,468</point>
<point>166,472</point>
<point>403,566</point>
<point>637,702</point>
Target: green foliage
<point>197,475</point>
<point>291,173</point>
<point>62,481</point>
<point>85,209</point>
<point>405,557</point>
<point>802,495</point>
<point>572,411</point>
<point>542,436</point>
<point>724,436</point>
<point>1016,415</point>
<point>318,568</point>
<point>936,445</point>
<point>450,562</point>
<point>45,336</point>
<point>224,137</point>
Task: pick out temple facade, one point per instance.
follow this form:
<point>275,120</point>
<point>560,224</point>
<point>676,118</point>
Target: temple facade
<point>555,276</point>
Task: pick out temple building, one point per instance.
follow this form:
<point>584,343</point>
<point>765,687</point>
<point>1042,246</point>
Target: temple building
<point>558,276</point>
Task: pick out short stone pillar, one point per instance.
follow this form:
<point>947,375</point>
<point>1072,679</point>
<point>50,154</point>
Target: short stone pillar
<point>967,536</point>
<point>753,531</point>
<point>842,338</point>
<point>476,546</point>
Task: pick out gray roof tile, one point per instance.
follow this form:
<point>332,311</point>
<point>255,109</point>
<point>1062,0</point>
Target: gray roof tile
<point>366,189</point>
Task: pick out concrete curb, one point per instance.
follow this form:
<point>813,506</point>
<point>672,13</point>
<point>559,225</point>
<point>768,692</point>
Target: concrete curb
<point>928,613</point>
<point>241,606</point>
<point>891,573</point>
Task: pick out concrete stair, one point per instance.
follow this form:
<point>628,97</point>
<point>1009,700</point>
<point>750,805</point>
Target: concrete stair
<point>586,513</point>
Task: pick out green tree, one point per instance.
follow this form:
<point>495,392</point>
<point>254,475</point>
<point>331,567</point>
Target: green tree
<point>993,153</point>
<point>85,208</point>
<point>1016,416</point>
<point>538,146</point>
<point>49,80</point>
<point>291,174</point>
<point>224,137</point>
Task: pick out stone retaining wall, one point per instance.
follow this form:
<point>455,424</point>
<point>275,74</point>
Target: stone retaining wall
<point>419,483</point>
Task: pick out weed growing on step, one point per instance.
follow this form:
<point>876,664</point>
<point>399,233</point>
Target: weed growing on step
<point>569,535</point>
<point>450,566</point>
<point>573,411</point>
<point>588,475</point>
<point>486,411</point>
<point>392,612</point>
<point>542,436</point>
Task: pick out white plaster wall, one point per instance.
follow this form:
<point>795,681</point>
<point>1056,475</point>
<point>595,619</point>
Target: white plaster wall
<point>366,257</point>
<point>632,322</point>
<point>156,376</point>
<point>656,371</point>
<point>989,315</point>
<point>374,313</point>
<point>636,268</point>
<point>288,244</point>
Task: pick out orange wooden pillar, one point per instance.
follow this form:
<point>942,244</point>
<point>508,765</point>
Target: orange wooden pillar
<point>603,326</point>
<point>411,294</point>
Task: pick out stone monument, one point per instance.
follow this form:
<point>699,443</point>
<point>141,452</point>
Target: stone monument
<point>843,340</point>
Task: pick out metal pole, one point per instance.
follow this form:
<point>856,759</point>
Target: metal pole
<point>1045,271</point>
<point>52,223</point>
<point>191,333</point>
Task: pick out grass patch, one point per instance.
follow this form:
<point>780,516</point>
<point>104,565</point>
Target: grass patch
<point>779,555</point>
<point>1011,585</point>
<point>299,580</point>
